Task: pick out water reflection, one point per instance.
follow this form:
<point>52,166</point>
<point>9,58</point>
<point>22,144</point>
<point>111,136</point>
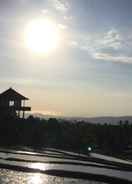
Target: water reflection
<point>40,166</point>
<point>18,177</point>
<point>35,179</point>
<point>15,177</point>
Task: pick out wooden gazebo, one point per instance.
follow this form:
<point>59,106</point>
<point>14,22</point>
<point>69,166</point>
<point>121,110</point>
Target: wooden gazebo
<point>12,103</point>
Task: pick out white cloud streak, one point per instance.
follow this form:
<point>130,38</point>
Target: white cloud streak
<point>109,57</point>
<point>110,46</point>
<point>112,39</point>
<point>61,5</point>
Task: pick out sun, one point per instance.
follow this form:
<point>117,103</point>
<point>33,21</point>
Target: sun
<point>42,36</point>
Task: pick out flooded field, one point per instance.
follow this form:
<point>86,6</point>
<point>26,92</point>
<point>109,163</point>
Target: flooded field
<point>14,177</point>
<point>60,167</point>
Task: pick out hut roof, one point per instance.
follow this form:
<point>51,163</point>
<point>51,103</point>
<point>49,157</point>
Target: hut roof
<point>11,94</point>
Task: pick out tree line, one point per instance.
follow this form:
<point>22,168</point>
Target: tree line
<point>62,134</point>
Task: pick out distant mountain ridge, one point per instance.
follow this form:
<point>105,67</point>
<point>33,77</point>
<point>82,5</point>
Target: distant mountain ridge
<point>107,119</point>
<point>101,119</point>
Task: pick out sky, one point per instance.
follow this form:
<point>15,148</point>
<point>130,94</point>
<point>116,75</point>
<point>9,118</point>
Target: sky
<point>88,74</point>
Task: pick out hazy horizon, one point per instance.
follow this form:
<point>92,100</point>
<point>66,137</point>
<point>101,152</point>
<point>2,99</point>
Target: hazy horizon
<point>70,57</point>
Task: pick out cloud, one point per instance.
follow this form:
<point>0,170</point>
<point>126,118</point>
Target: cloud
<point>111,46</point>
<point>62,26</point>
<point>61,5</point>
<point>45,11</point>
<point>73,44</point>
<point>68,18</point>
<point>109,57</point>
<point>112,39</point>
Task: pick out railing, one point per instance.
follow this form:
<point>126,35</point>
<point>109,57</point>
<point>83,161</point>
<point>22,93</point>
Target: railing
<point>15,108</point>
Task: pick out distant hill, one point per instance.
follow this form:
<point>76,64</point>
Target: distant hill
<point>101,120</point>
<point>105,119</point>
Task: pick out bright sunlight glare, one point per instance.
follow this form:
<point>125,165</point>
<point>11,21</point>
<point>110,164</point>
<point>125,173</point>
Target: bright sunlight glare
<point>42,36</point>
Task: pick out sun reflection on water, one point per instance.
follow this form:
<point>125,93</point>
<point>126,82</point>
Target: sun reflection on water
<point>35,179</point>
<point>16,177</point>
<point>39,166</point>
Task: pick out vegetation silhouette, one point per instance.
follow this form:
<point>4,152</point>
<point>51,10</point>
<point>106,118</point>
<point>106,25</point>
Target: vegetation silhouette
<point>40,133</point>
